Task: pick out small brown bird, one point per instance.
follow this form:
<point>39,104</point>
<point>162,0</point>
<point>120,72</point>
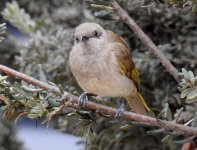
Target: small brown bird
<point>100,61</point>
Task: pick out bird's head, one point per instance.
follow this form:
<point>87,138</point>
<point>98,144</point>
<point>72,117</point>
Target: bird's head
<point>89,35</point>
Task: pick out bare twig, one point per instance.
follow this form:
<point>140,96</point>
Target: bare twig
<point>145,39</point>
<point>59,109</point>
<point>73,101</point>
<point>20,116</point>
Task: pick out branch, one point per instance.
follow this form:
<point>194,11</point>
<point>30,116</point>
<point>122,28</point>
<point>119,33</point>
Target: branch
<point>145,39</point>
<point>72,101</point>
<point>29,79</point>
<point>55,112</point>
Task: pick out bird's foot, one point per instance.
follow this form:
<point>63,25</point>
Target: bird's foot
<point>82,99</point>
<point>120,110</point>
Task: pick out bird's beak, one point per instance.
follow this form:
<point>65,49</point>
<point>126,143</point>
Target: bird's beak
<point>84,38</point>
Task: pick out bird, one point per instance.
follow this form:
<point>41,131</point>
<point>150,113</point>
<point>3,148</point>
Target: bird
<point>101,63</point>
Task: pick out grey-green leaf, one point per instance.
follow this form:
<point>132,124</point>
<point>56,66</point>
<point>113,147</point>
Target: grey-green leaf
<point>166,139</point>
<point>191,100</point>
<point>33,116</point>
<point>191,74</point>
<point>186,73</point>
<point>186,92</point>
<point>192,95</point>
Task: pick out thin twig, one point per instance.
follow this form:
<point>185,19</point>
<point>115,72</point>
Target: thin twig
<point>20,116</point>
<point>73,101</point>
<point>145,39</point>
<point>59,109</point>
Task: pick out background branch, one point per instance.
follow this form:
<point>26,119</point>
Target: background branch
<point>145,39</point>
<point>73,101</point>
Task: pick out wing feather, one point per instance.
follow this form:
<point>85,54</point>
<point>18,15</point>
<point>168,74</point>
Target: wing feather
<point>121,51</point>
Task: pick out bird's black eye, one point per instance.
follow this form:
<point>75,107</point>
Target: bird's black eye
<point>96,34</point>
<point>77,39</point>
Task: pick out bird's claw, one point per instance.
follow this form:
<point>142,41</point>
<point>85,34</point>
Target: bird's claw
<point>82,99</point>
<point>120,110</point>
<point>119,113</point>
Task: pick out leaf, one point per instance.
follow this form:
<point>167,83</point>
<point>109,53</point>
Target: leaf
<point>186,92</point>
<point>3,78</point>
<point>169,115</point>
<point>5,100</point>
<point>191,100</point>
<point>166,139</point>
<point>154,132</point>
<point>19,92</point>
<point>17,87</point>
<point>23,103</point>
<point>191,74</point>
<point>33,116</point>
<point>186,73</point>
<point>31,103</point>
<point>126,127</point>
<point>167,112</point>
<point>41,73</point>
<point>31,90</point>
<point>183,84</point>
<point>36,110</point>
<point>192,95</point>
<point>44,121</point>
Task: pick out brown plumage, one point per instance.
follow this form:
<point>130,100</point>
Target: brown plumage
<point>101,62</point>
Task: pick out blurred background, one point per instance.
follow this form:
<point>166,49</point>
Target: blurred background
<point>41,32</point>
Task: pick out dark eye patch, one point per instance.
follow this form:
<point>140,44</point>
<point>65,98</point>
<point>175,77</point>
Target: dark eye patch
<point>77,39</point>
<point>96,34</point>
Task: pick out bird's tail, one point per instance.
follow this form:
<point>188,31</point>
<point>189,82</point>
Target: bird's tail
<point>138,104</point>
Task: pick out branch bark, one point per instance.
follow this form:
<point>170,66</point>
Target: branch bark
<point>145,39</point>
<point>73,101</point>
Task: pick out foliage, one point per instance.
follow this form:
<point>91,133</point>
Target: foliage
<point>18,16</point>
<point>188,86</point>
<point>171,28</point>
<point>49,48</point>
<point>24,100</point>
<point>191,4</point>
<point>8,138</point>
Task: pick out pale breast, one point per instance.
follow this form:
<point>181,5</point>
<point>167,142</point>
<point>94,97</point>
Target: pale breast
<point>99,74</point>
<point>112,85</point>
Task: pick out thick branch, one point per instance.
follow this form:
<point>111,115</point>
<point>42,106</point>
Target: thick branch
<point>145,39</point>
<point>29,79</point>
<point>101,108</point>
